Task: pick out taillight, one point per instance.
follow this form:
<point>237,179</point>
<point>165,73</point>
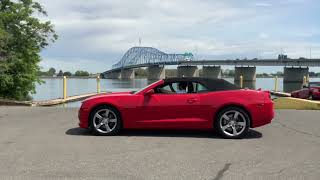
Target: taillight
<point>268,94</point>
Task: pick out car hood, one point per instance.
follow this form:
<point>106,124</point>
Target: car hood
<point>112,94</point>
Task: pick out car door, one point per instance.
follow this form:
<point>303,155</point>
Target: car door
<point>171,109</point>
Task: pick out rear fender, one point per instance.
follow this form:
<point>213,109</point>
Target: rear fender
<point>233,104</point>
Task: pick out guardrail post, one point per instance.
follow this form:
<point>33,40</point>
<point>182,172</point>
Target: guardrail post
<point>64,87</point>
<point>98,84</point>
<point>241,81</point>
<point>304,80</point>
<point>276,84</point>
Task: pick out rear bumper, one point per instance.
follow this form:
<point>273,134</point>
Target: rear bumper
<point>265,116</point>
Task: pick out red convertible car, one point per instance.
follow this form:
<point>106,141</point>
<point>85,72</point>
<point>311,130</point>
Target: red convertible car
<point>179,103</point>
<point>312,90</point>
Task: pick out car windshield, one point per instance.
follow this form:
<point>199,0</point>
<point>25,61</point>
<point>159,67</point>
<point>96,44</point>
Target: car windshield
<point>137,92</point>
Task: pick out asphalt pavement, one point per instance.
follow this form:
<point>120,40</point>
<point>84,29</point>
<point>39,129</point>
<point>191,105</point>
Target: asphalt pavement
<point>45,143</point>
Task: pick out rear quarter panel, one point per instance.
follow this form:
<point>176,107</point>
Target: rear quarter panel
<point>250,100</point>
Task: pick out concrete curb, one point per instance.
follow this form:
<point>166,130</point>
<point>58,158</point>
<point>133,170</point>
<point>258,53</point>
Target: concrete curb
<point>52,102</point>
<point>7,102</point>
<point>295,103</point>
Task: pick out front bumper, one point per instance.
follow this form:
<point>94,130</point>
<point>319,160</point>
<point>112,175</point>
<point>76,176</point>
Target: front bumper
<point>83,116</point>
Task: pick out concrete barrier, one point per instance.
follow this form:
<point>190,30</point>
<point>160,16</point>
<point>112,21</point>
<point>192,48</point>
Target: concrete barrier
<point>51,102</point>
<point>295,103</point>
<point>7,102</point>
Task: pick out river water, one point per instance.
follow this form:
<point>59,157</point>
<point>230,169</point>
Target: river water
<point>52,88</point>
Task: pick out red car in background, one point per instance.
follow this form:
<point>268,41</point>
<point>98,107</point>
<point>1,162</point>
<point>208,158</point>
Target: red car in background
<point>311,91</point>
<point>179,103</point>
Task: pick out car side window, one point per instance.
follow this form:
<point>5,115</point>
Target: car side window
<point>201,88</point>
<point>176,88</point>
<point>165,89</point>
<point>197,88</point>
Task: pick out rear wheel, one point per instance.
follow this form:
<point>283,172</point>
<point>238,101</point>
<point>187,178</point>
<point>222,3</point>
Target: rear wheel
<point>232,122</point>
<point>105,120</point>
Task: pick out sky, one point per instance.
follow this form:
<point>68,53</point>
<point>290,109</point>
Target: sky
<point>95,34</point>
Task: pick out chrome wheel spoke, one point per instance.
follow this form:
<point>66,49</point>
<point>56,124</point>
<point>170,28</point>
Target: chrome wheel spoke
<point>241,124</point>
<point>99,125</point>
<point>235,116</point>
<point>98,116</point>
<point>106,114</point>
<point>107,127</point>
<point>226,117</point>
<point>234,131</point>
<point>113,120</point>
<point>225,127</point>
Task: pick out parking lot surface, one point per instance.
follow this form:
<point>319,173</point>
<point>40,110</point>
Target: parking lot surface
<point>45,143</point>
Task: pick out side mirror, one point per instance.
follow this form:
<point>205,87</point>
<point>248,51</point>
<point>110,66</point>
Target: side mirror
<point>149,92</point>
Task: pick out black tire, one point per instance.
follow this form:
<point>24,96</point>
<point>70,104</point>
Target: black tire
<point>221,122</point>
<point>94,121</point>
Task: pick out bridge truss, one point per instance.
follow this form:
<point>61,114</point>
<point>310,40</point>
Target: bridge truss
<point>149,55</point>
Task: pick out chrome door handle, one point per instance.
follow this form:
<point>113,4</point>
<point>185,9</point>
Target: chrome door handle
<point>192,100</point>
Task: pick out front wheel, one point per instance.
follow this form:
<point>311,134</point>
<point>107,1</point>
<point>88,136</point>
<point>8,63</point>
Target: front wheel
<point>105,120</point>
<point>232,123</point>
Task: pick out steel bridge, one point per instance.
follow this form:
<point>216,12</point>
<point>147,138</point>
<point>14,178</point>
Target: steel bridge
<point>148,56</point>
<point>155,60</point>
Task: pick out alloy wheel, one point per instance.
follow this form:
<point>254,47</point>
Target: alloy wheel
<point>105,121</point>
<point>233,123</point>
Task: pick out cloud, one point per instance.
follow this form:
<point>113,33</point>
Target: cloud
<point>263,35</point>
<point>263,4</point>
<point>95,34</point>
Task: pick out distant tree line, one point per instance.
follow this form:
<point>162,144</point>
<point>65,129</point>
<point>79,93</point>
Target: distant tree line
<point>52,72</point>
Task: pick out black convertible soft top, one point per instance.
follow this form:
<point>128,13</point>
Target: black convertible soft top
<point>211,83</point>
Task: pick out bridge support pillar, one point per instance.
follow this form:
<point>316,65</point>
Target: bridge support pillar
<point>156,72</point>
<point>127,74</point>
<point>248,74</point>
<point>188,71</point>
<point>112,75</point>
<point>295,75</point>
<point>211,71</point>
<point>293,78</point>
